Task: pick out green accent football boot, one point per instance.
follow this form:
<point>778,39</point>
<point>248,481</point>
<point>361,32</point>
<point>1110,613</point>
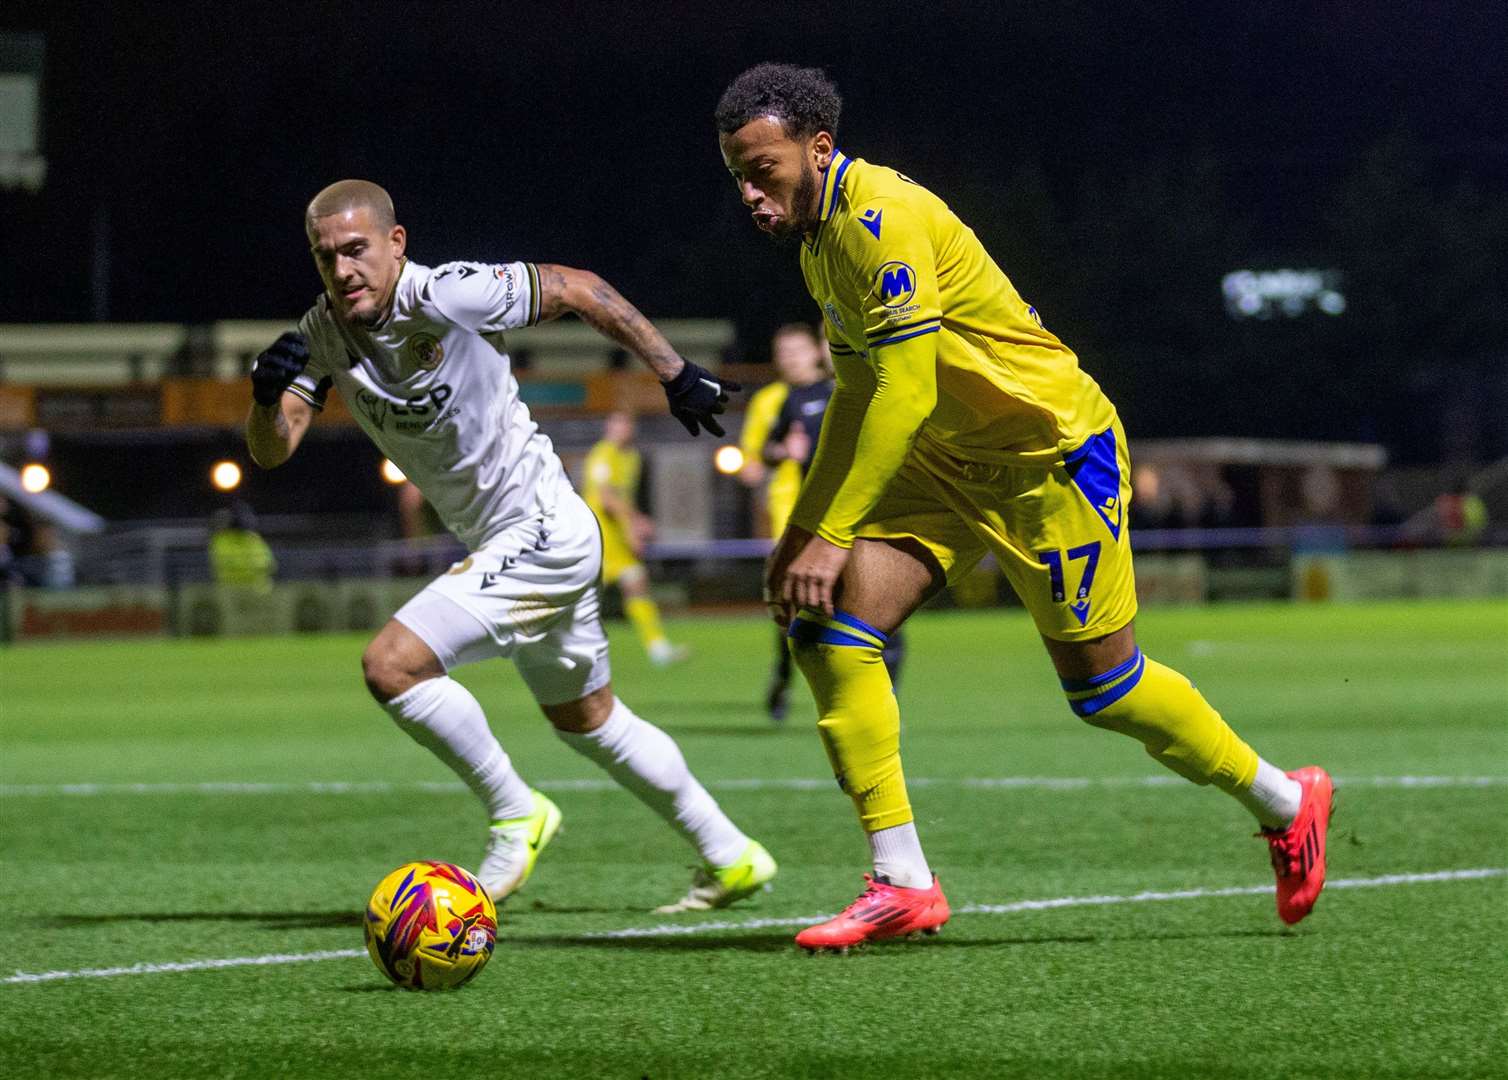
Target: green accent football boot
<point>513,848</point>
<point>718,886</point>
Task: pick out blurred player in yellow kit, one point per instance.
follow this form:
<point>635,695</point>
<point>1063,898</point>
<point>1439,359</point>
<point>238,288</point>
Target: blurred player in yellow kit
<point>958,425</point>
<point>779,435</point>
<point>799,358</point>
<point>611,485</point>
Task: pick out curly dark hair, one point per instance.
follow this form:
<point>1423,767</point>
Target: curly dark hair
<point>804,100</point>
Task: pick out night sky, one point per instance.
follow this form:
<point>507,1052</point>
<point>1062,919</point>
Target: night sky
<point>1115,158</point>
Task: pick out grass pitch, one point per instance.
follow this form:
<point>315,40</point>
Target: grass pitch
<point>164,806</point>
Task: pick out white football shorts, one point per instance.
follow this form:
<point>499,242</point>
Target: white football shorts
<point>530,594</point>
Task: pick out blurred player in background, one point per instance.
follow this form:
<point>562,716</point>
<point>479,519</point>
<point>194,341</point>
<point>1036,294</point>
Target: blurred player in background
<point>610,489</point>
<point>959,425</point>
<point>799,357</point>
<point>237,553</point>
<point>418,356</point>
<point>779,433</point>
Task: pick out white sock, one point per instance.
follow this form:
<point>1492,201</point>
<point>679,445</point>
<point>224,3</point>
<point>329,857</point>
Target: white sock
<point>898,857</point>
<point>441,714</point>
<point>1273,797</point>
<point>648,763</point>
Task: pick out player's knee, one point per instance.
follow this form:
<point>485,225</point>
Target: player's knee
<point>807,654</point>
<point>835,665</point>
<point>383,679</point>
<point>389,671</point>
<point>584,714</point>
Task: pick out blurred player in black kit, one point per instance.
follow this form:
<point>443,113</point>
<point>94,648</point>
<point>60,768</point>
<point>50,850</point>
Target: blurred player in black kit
<point>792,438</point>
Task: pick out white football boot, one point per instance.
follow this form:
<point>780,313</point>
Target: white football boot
<point>513,847</point>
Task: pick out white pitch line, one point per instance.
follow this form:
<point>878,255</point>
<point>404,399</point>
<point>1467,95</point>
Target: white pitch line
<point>446,787</point>
<point>682,930</point>
<point>187,965</point>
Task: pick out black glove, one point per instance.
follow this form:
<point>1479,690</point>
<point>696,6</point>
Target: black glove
<point>278,366</point>
<point>696,397</point>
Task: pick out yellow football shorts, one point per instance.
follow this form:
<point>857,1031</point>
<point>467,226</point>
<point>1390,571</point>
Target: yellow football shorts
<point>617,554</point>
<point>1059,533</point>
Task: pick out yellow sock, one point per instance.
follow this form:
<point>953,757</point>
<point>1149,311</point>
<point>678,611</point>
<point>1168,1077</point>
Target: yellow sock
<point>1160,708</point>
<point>645,616</point>
<point>858,718</point>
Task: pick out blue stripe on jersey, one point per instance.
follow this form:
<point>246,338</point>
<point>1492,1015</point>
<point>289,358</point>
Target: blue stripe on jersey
<point>906,326</point>
<point>904,337</point>
<point>836,168</point>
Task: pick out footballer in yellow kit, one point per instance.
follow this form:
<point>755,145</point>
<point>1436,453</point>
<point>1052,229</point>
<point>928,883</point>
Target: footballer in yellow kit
<point>779,431</point>
<point>611,480</point>
<point>611,473</point>
<point>782,481</point>
<point>959,425</point>
<point>798,354</point>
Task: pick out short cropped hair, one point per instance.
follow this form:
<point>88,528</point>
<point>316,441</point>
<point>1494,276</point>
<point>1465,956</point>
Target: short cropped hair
<point>805,329</point>
<point>346,195</point>
<point>804,100</point>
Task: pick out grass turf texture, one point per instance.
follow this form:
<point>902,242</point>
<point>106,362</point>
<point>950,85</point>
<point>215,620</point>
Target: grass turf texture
<point>1404,981</point>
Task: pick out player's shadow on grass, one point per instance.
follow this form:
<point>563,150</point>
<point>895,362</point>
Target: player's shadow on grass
<point>781,941</point>
<point>758,725</point>
<point>772,942</point>
<point>540,907</point>
<point>698,944</point>
<point>270,920</point>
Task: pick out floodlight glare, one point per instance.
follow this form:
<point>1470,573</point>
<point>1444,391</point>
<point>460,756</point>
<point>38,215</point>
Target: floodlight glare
<point>728,459</point>
<point>35,478</point>
<point>391,473</point>
<point>226,475</point>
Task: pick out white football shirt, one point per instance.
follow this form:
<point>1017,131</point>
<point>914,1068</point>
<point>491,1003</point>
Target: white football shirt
<point>434,388</point>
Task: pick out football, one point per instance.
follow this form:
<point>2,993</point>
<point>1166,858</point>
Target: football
<point>430,926</point>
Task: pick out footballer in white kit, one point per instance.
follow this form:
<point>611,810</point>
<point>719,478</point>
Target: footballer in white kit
<point>418,355</point>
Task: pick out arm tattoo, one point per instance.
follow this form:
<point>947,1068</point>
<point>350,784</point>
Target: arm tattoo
<point>604,309</point>
<point>552,287</point>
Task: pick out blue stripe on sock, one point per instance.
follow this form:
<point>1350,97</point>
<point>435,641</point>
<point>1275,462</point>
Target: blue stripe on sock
<point>1090,705</point>
<point>859,624</point>
<point>810,633</point>
<point>1075,685</point>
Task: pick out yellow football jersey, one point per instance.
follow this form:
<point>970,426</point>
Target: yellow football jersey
<point>785,478</point>
<point>930,341</point>
<point>610,466</point>
<point>760,417</point>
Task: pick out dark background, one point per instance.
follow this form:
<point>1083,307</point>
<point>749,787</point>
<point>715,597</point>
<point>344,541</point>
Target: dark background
<point>1117,159</point>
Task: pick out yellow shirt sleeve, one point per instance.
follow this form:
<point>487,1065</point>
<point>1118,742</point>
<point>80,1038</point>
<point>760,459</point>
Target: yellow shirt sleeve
<point>885,394</point>
<point>759,418</point>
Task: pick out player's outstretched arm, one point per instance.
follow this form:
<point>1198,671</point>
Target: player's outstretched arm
<point>278,418</point>
<point>695,394</point>
<point>273,432</point>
